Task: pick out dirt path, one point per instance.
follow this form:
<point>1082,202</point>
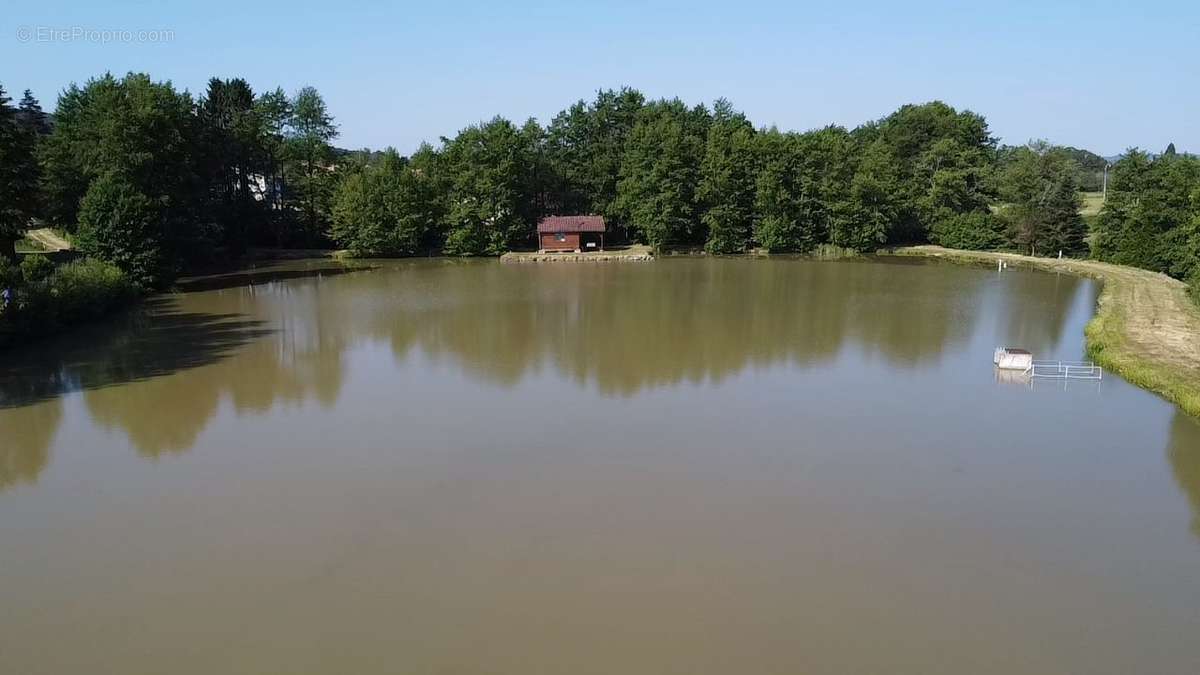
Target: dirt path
<point>48,239</point>
<point>1146,327</point>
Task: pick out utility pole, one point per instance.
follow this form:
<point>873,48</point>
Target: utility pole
<point>1104,190</point>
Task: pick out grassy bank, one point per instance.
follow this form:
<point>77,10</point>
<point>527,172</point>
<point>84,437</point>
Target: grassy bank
<point>1146,328</point>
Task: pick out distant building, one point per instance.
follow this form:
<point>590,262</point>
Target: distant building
<point>571,233</point>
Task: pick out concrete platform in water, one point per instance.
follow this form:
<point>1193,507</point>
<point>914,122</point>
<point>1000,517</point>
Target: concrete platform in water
<point>1009,358</point>
<point>636,253</point>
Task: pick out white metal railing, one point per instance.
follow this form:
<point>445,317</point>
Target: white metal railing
<point>1072,370</point>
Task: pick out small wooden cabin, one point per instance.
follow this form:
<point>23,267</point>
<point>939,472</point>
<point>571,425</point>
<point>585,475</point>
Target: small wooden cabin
<point>571,233</point>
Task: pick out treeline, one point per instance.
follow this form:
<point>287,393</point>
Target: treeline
<point>149,182</point>
<point>159,182</point>
<point>674,176</point>
<point>1151,217</point>
<point>1091,168</point>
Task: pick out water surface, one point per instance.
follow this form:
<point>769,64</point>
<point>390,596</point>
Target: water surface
<point>685,466</point>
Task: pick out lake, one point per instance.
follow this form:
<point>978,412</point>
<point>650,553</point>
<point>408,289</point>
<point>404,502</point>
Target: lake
<point>683,466</point>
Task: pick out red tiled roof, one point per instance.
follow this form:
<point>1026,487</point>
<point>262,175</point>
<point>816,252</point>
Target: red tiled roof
<point>551,224</point>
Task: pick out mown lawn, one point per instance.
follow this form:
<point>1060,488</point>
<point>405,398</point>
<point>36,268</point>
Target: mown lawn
<point>1092,203</point>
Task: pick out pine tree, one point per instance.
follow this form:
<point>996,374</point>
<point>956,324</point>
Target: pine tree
<point>232,152</point>
<point>310,160</point>
<point>18,177</point>
<point>31,115</point>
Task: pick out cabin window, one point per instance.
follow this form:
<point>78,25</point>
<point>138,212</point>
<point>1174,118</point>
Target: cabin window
<point>560,236</point>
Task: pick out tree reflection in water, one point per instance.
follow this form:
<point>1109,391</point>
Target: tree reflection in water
<point>625,328</point>
<point>25,450</point>
<point>1184,455</point>
<point>159,374</point>
<point>155,372</point>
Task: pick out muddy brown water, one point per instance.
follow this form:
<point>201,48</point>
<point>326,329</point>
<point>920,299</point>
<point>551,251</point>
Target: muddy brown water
<point>684,466</point>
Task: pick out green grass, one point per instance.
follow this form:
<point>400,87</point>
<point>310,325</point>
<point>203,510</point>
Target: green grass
<point>1107,346</point>
<point>1092,203</point>
<point>831,252</point>
<point>1090,207</point>
<point>821,252</point>
<point>27,245</point>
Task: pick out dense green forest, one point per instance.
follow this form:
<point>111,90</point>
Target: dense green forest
<point>151,182</point>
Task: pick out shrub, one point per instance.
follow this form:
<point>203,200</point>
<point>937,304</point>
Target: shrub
<point>90,288</point>
<point>832,252</point>
<point>384,210</point>
<point>71,293</point>
<point>977,230</point>
<point>10,274</point>
<point>36,268</point>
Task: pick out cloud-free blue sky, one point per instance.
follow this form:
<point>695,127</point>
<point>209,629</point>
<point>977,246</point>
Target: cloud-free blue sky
<point>1101,75</point>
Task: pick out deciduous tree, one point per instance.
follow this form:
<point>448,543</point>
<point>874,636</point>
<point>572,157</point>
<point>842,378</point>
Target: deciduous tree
<point>120,224</point>
<point>1041,189</point>
<point>386,209</point>
<point>488,173</point>
<point>727,177</point>
<point>656,194</point>
<point>586,147</point>
<point>310,162</point>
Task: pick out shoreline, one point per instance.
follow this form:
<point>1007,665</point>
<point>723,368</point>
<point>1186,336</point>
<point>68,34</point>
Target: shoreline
<point>1146,329</point>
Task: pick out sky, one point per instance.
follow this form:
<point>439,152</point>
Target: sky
<point>1099,75</point>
